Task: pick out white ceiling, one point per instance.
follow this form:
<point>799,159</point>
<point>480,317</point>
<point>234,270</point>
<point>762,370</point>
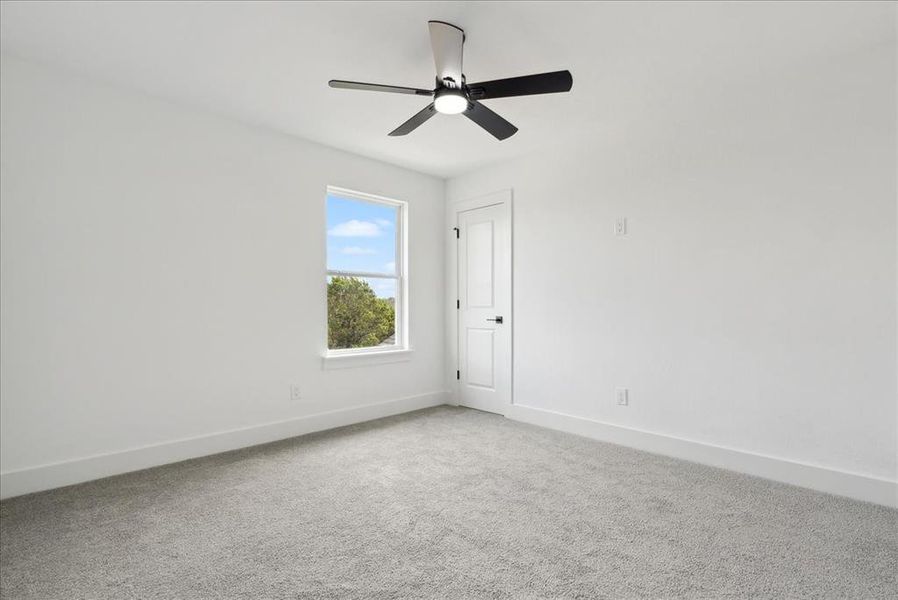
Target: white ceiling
<point>268,63</point>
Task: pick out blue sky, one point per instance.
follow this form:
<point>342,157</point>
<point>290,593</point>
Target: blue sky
<point>361,236</point>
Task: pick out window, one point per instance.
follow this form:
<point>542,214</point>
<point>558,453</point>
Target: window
<point>366,298</point>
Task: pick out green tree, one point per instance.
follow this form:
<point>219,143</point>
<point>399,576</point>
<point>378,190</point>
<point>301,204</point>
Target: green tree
<point>356,317</point>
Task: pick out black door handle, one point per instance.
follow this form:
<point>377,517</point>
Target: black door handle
<point>497,319</point>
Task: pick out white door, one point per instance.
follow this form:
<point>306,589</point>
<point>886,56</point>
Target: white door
<point>484,308</point>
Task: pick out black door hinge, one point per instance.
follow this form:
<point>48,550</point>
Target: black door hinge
<point>458,374</point>
<point>457,304</point>
<point>457,232</point>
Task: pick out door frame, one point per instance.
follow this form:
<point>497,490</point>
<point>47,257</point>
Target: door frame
<point>505,197</point>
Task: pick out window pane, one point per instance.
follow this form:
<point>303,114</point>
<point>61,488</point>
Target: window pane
<point>361,312</point>
<point>361,236</point>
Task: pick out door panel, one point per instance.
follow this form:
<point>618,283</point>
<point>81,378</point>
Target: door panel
<point>479,357</point>
<point>484,307</point>
<point>479,242</point>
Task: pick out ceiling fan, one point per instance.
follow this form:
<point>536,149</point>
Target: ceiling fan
<point>453,95</point>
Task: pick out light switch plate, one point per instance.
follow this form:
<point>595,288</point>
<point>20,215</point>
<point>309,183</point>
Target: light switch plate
<point>622,396</point>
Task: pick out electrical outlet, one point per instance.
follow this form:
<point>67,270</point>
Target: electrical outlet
<point>295,395</point>
<point>620,226</point>
<point>622,396</point>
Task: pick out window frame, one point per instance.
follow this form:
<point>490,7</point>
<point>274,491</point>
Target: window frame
<point>400,347</point>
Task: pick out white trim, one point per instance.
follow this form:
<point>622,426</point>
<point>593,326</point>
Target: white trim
<point>502,196</point>
<point>45,477</point>
<point>336,273</point>
<point>364,196</point>
<point>364,357</point>
<point>842,483</point>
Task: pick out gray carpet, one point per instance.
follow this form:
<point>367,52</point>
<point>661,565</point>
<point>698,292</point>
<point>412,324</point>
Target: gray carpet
<point>443,503</point>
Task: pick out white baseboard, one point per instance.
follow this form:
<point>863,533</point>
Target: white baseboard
<point>45,477</point>
<point>841,483</point>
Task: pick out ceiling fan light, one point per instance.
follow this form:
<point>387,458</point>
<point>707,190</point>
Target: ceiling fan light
<point>450,103</point>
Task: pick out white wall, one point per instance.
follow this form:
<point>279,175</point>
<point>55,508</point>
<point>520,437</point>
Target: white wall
<point>163,278</point>
<point>752,304</point>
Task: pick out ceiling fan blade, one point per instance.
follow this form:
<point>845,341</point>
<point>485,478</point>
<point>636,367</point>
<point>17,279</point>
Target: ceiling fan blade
<point>544,83</point>
<point>377,87</point>
<point>447,41</point>
<point>416,121</point>
<point>493,123</point>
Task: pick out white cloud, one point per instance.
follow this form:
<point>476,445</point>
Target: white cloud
<point>391,266</point>
<point>385,223</point>
<point>355,228</point>
<point>357,251</point>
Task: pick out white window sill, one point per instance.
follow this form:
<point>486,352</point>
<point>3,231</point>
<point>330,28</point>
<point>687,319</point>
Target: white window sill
<point>348,360</point>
